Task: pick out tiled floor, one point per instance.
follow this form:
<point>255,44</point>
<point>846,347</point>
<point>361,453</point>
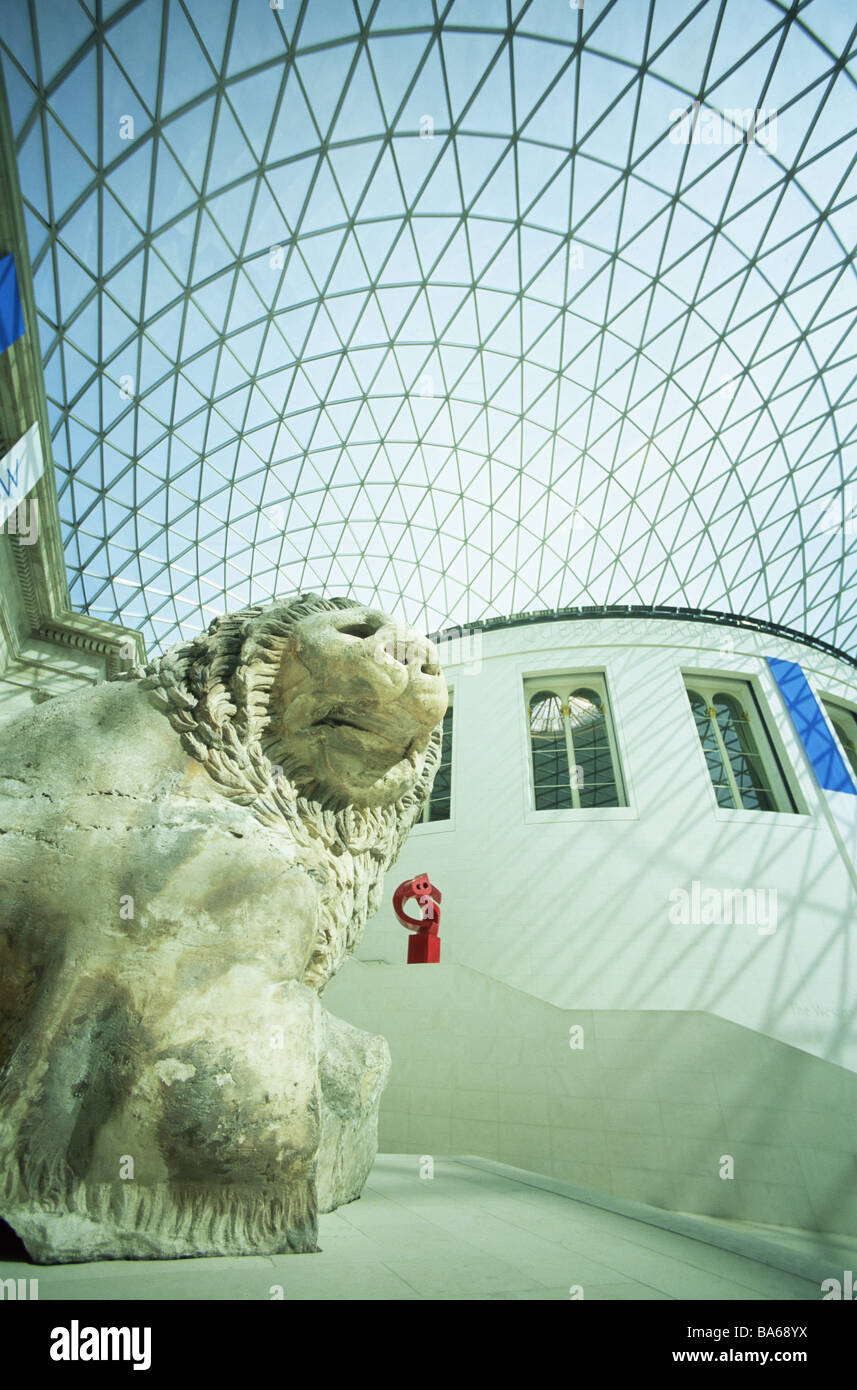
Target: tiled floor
<point>463,1234</point>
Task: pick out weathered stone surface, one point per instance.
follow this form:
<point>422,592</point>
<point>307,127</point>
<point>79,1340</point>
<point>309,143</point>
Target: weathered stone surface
<point>354,1071</point>
<point>188,855</point>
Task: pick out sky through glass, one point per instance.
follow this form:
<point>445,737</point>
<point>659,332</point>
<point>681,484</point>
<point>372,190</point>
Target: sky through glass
<point>464,309</point>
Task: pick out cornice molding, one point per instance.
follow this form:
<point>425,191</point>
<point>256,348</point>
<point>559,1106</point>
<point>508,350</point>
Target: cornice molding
<point>24,571</point>
<point>121,647</point>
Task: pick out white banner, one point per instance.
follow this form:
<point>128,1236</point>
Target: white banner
<point>20,470</point>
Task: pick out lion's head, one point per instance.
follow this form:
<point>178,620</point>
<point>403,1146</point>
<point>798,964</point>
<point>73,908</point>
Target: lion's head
<point>353,706</point>
<point>320,715</point>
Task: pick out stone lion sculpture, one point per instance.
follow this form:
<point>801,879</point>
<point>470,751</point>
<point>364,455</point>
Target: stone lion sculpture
<point>189,852</point>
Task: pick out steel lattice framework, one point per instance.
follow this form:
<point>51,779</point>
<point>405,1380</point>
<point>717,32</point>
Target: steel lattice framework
<point>464,308</point>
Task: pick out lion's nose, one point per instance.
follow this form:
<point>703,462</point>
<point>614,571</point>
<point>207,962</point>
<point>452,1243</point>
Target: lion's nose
<point>412,649</point>
<point>397,641</point>
<point>431,658</point>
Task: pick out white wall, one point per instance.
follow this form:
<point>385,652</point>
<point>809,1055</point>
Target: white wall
<point>677,1109</point>
<point>573,906</point>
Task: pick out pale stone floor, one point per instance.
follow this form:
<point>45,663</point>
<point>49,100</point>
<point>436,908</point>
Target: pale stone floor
<point>465,1234</point>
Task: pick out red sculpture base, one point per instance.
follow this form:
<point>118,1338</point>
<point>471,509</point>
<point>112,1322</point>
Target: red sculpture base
<point>423,949</point>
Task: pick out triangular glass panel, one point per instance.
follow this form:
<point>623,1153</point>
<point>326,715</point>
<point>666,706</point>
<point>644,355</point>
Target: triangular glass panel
<point>58,42</point>
<point>252,101</point>
<point>187,69</point>
<point>323,75</point>
<point>79,117</point>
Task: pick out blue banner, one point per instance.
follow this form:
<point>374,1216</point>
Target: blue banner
<point>11,313</point>
<point>812,727</point>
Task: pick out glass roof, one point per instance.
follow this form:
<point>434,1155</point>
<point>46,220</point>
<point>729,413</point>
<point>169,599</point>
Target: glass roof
<point>461,308</point>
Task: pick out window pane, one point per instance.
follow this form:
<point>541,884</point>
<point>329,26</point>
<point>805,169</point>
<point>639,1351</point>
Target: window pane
<point>596,780</point>
<point>573,760</point>
<point>711,749</point>
<point>550,756</point>
<point>743,754</point>
<point>738,753</point>
<point>584,709</point>
<point>603,794</point>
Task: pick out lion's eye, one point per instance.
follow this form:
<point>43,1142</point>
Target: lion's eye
<point>358,630</point>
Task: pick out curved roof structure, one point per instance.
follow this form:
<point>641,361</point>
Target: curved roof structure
<point>464,307</point>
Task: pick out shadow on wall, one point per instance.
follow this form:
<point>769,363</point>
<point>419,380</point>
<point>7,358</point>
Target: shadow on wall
<point>685,1111</point>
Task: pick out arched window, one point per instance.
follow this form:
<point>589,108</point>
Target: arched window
<point>573,748</point>
<point>741,760</point>
<point>550,752</point>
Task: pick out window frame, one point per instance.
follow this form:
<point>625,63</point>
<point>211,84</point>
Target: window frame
<point>596,678</point>
<point>840,706</point>
<point>782,781</point>
<point>435,827</point>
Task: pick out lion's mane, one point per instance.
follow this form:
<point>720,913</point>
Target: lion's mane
<point>216,692</point>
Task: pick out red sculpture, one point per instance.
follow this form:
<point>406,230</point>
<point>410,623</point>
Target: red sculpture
<point>424,945</point>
